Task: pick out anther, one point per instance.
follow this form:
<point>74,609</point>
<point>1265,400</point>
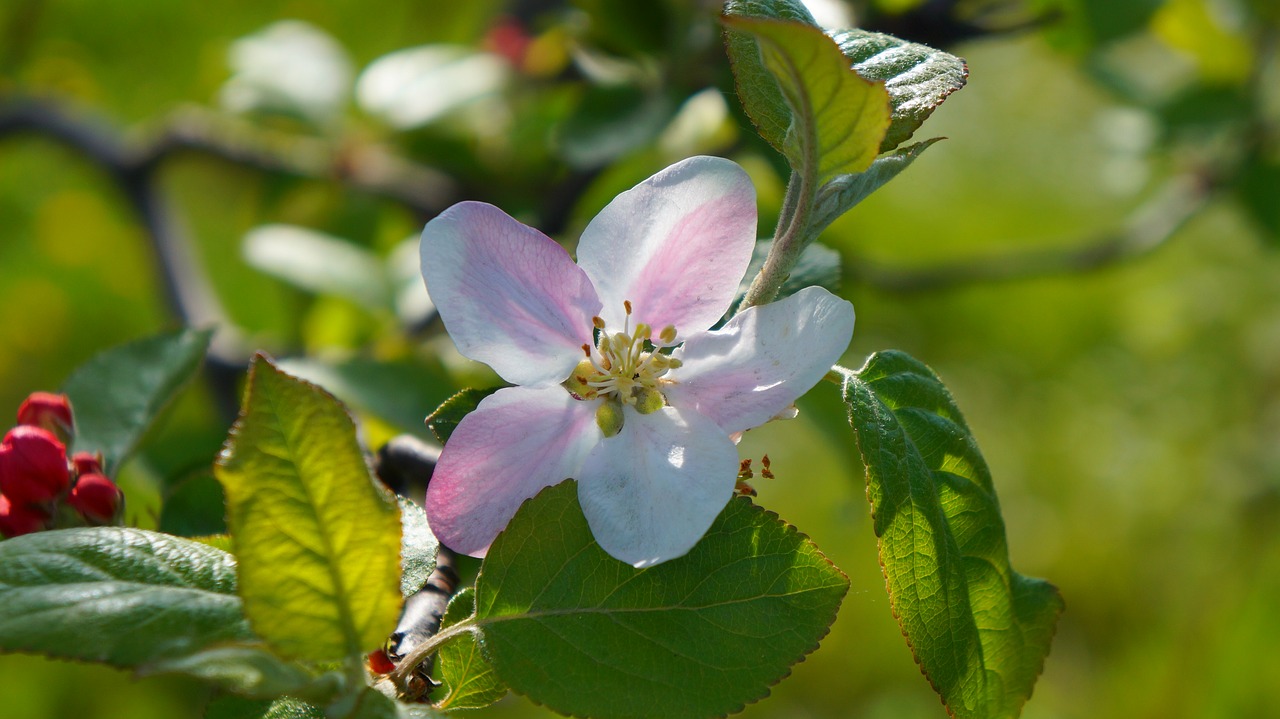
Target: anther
<point>597,322</point>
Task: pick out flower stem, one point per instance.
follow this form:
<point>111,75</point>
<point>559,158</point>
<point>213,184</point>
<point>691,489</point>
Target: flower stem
<point>789,240</point>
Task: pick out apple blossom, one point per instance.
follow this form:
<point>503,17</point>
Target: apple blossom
<point>621,382</point>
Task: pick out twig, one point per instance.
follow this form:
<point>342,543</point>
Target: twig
<point>1149,227</point>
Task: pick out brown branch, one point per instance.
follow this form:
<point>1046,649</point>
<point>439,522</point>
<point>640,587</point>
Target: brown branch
<point>1148,228</point>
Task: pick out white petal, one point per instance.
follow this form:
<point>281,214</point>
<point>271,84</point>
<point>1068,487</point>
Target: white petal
<point>676,246</point>
<point>518,441</point>
<point>508,294</point>
<point>650,492</point>
<point>762,360</point>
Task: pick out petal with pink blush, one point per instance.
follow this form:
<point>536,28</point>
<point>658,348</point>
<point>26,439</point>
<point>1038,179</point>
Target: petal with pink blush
<point>515,443</point>
<point>676,246</point>
<point>762,360</point>
<point>650,492</point>
<point>509,295</point>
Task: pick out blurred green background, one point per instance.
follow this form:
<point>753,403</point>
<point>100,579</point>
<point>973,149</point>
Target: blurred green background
<point>1130,411</point>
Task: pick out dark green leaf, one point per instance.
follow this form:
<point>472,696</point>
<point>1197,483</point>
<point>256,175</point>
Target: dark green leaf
<point>700,636</point>
<point>469,680</point>
<point>837,118</point>
<point>250,671</point>
<point>917,77</point>
<point>418,547</point>
<point>316,538</point>
<point>1259,191</point>
<point>118,393</point>
<point>844,191</point>
<point>980,631</point>
<point>113,595</point>
<point>447,416</point>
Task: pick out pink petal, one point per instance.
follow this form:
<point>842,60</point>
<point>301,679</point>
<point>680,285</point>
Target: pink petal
<point>676,246</point>
<point>762,360</point>
<point>518,441</point>
<point>508,294</point>
<point>650,492</point>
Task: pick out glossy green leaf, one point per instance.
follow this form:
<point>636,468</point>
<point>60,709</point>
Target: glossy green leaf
<point>468,678</point>
<point>418,547</point>
<point>118,393</point>
<point>114,595</point>
<point>843,192</point>
<point>317,539</point>
<point>979,630</point>
<point>447,416</point>
<point>699,636</point>
<point>917,77</point>
<point>251,671</point>
<point>837,118</point>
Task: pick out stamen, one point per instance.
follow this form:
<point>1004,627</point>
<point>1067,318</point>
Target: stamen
<point>668,334</point>
<point>597,322</point>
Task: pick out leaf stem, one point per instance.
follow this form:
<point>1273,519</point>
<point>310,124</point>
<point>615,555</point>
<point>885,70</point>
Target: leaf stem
<point>789,241</point>
<point>428,647</point>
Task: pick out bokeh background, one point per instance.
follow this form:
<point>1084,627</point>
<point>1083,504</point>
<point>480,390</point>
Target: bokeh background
<point>1126,396</point>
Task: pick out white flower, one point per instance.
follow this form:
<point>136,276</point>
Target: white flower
<point>620,383</point>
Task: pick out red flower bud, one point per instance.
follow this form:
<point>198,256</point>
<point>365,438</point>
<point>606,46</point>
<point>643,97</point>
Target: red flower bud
<point>96,498</point>
<point>87,462</point>
<point>380,663</point>
<point>18,519</point>
<point>48,411</point>
<point>33,465</point>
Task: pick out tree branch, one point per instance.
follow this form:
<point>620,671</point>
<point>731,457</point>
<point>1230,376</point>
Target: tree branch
<point>1148,228</point>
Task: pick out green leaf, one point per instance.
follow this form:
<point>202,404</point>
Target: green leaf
<point>118,393</point>
<point>250,671</point>
<point>700,636</point>
<point>468,678</point>
<point>609,122</point>
<point>114,595</point>
<point>320,263</point>
<point>447,416</point>
<point>418,547</point>
<point>317,539</point>
<point>837,118</point>
<point>843,192</point>
<point>979,631</point>
<point>917,77</point>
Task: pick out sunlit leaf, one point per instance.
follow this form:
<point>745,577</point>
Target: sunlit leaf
<point>837,118</point>
<point>319,263</point>
<point>979,630</point>
<point>418,547</point>
<point>114,595</point>
<point>250,671</point>
<point>317,539</point>
<point>117,394</point>
<point>700,636</point>
<point>758,91</point>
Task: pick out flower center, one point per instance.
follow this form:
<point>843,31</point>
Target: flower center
<point>623,369</point>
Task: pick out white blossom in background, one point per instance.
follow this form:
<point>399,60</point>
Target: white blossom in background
<point>289,67</point>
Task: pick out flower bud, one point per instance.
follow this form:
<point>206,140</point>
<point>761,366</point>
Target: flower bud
<point>33,465</point>
<point>96,498</point>
<point>19,519</point>
<point>48,411</point>
<point>87,462</point>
